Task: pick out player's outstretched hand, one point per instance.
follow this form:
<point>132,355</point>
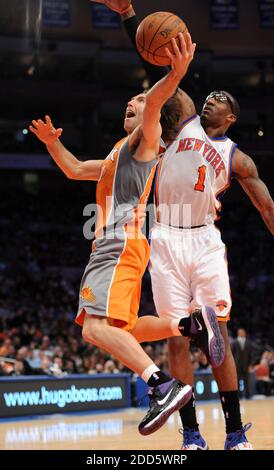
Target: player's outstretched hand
<point>45,130</point>
<point>182,54</point>
<point>120,6</point>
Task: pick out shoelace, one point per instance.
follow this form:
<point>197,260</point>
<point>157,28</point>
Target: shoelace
<point>239,436</point>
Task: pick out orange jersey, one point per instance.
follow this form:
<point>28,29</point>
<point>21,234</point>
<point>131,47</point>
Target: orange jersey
<point>111,283</point>
<point>123,186</point>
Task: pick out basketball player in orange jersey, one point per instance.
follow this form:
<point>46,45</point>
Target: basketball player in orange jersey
<point>192,175</point>
<point>111,284</point>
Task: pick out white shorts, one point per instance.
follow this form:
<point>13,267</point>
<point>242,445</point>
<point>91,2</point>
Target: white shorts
<point>188,270</point>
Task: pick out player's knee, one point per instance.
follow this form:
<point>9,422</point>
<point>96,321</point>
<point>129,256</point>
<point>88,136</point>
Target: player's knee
<point>91,332</point>
<point>86,334</point>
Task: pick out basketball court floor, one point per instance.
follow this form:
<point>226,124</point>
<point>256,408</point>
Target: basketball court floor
<point>118,430</point>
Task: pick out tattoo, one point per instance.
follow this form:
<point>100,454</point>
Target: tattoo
<point>244,166</point>
<point>256,189</point>
<point>246,173</point>
<point>248,165</point>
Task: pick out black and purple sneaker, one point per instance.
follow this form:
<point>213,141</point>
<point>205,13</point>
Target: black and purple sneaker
<point>206,334</point>
<point>164,400</point>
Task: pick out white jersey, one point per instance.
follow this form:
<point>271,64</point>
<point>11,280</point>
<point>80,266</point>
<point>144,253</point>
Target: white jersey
<point>192,175</point>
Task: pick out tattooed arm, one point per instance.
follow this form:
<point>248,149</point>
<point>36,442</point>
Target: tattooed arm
<point>245,171</point>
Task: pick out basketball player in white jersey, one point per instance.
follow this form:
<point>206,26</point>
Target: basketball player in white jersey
<point>188,257</point>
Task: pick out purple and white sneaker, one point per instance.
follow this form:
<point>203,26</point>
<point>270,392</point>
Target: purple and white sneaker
<point>237,440</point>
<point>193,440</point>
<point>163,401</point>
<point>206,334</point>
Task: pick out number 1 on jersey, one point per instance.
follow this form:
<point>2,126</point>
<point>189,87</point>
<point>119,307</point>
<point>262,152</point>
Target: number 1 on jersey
<point>200,185</point>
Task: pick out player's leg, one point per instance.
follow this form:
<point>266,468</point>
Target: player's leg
<point>152,328</point>
<point>105,313</point>
<point>211,287</point>
<point>172,296</point>
<point>180,366</point>
<point>117,342</point>
<point>227,380</point>
<point>166,394</point>
<point>226,374</point>
<point>179,359</point>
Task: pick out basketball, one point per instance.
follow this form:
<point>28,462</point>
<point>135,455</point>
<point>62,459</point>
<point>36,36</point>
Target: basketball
<point>154,34</point>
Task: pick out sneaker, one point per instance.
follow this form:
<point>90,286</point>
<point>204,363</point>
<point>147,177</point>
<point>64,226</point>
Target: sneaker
<point>206,334</point>
<point>237,440</point>
<point>192,440</point>
<point>163,401</point>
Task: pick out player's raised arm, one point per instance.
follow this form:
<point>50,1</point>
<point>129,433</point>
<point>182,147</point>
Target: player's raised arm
<point>154,73</point>
<point>180,59</point>
<point>245,171</point>
<point>73,168</point>
<point>147,135</point>
<point>130,21</point>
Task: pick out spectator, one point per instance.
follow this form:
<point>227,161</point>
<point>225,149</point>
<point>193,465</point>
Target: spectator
<point>18,368</point>
<point>46,364</point>
<point>70,366</point>
<point>110,367</point>
<point>263,384</point>
<point>7,348</point>
<point>242,351</point>
<point>57,367</point>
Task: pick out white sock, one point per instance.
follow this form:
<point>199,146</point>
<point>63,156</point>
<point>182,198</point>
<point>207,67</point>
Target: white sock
<point>175,326</point>
<point>149,371</point>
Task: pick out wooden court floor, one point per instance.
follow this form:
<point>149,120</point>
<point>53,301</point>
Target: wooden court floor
<point>118,430</point>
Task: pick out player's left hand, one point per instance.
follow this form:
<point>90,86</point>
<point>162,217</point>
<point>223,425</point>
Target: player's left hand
<point>45,130</point>
<point>182,54</point>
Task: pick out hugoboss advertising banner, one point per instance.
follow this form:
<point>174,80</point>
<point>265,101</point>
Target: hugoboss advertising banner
<point>43,394</point>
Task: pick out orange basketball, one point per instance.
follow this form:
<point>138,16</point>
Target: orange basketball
<point>154,34</point>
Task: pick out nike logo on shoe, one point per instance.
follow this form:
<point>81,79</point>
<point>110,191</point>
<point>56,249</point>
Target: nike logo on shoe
<point>161,402</point>
<point>200,326</point>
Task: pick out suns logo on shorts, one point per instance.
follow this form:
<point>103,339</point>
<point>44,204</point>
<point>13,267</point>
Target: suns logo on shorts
<point>221,305</point>
<point>86,294</point>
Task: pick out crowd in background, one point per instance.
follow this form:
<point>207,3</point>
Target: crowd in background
<point>43,254</point>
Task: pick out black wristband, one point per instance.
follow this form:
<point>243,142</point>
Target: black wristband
<point>154,73</point>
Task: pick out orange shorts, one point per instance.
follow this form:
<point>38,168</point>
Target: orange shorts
<point>111,284</point>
